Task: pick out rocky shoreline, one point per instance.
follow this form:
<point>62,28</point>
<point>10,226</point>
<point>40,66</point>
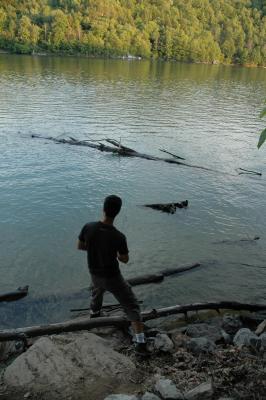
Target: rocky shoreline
<point>217,358</point>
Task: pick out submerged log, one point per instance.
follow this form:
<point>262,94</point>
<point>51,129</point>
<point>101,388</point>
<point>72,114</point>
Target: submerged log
<point>120,150</point>
<point>16,295</point>
<point>169,208</point>
<point>87,323</point>
<point>227,241</point>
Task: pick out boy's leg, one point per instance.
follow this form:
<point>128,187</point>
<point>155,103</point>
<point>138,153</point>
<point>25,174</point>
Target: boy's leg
<point>126,297</point>
<point>97,293</point>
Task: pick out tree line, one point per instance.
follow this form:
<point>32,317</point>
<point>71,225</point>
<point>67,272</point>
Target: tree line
<point>212,31</point>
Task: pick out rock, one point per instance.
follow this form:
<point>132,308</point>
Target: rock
<point>62,361</point>
<point>121,397</point>
<point>163,343</point>
<point>263,342</point>
<point>261,328</point>
<point>231,324</point>
<point>201,345</point>
<point>149,396</point>
<point>167,389</point>
<point>227,338</point>
<point>245,337</point>
<point>179,339</point>
<point>201,392</point>
<point>211,332</point>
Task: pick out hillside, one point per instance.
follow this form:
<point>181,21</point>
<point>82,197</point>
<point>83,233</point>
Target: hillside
<point>219,31</point>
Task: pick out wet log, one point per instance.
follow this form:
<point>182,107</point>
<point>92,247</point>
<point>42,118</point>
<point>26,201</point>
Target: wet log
<point>145,279</point>
<point>169,208</point>
<point>173,271</point>
<point>122,151</point>
<point>87,323</point>
<point>227,241</point>
<point>16,295</point>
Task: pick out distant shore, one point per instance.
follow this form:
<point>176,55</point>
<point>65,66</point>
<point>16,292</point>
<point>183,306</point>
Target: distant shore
<point>128,57</point>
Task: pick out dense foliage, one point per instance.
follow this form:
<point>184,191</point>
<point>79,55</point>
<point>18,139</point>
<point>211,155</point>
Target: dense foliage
<point>231,31</point>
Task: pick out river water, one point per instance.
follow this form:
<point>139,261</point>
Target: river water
<point>207,114</point>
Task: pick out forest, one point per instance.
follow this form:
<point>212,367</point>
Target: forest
<point>209,31</point>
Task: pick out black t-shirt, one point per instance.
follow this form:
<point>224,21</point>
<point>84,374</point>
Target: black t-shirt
<point>103,242</point>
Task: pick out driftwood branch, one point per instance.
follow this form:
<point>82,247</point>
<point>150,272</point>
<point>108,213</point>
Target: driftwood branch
<point>118,149</point>
<point>171,154</point>
<point>16,295</point>
<point>248,172</point>
<point>159,277</point>
<point>87,323</point>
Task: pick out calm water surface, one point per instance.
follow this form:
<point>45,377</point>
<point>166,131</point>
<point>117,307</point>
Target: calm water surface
<point>207,114</point>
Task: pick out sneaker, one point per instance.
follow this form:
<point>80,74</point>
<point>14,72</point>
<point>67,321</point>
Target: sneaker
<point>96,314</point>
<point>141,350</point>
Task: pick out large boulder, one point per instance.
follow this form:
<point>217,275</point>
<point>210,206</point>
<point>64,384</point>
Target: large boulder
<point>65,362</point>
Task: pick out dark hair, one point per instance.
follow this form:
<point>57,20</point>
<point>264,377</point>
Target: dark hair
<point>112,205</point>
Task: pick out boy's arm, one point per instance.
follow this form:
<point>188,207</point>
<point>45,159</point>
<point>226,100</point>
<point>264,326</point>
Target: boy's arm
<point>81,245</point>
<point>122,253</point>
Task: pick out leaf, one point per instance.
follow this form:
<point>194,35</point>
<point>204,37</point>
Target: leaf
<point>262,138</point>
<point>263,113</point>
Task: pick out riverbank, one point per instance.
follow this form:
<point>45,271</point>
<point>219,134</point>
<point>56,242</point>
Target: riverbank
<point>123,57</point>
<point>203,359</point>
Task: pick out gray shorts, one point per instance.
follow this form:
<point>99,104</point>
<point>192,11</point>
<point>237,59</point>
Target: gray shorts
<point>120,289</point>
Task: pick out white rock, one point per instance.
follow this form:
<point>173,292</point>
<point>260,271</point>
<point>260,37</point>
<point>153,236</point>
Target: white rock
<point>63,361</point>
<point>163,342</point>
<point>201,392</point>
<point>149,396</point>
<point>168,390</point>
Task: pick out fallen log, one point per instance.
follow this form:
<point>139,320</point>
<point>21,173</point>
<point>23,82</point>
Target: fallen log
<point>122,151</point>
<point>87,323</point>
<point>16,295</point>
<point>169,208</point>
